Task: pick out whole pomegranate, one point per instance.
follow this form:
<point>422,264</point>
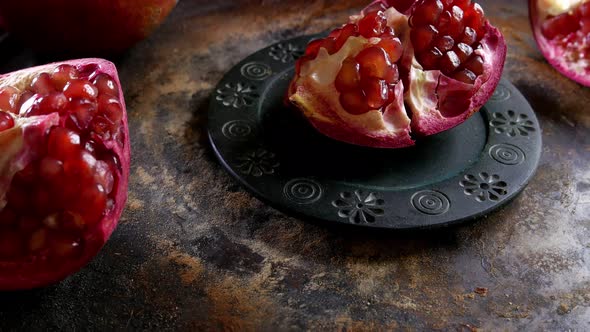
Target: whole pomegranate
<point>64,168</point>
<point>562,32</point>
<point>418,67</point>
<point>83,26</point>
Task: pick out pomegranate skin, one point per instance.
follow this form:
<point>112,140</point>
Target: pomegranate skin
<point>29,274</point>
<point>551,54</point>
<point>91,27</point>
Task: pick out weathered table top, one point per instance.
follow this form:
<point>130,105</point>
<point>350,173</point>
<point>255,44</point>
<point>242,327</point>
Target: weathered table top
<point>194,250</point>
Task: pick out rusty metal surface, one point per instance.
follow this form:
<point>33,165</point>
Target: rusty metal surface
<point>195,251</point>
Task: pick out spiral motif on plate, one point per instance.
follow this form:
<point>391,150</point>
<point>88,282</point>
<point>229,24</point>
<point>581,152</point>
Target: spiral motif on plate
<point>237,130</point>
<point>303,191</point>
<point>507,154</point>
<point>256,71</point>
<point>501,93</point>
<point>431,202</point>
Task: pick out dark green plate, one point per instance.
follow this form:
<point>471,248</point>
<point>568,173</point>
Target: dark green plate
<point>455,176</point>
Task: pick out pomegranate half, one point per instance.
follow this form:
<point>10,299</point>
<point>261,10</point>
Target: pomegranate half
<point>397,68</point>
<point>562,32</point>
<point>64,168</point>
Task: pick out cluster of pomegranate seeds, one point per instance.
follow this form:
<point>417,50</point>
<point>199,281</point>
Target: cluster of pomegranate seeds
<point>445,34</point>
<point>69,186</point>
<point>572,31</point>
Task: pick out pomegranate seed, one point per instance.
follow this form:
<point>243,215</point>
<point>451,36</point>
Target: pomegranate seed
<point>373,24</point>
<point>444,43</point>
<point>106,85</point>
<point>28,224</point>
<point>429,60</point>
<point>313,48</point>
<point>17,198</point>
<point>449,63</point>
<point>71,221</point>
<point>469,36</point>
<point>62,143</point>
<point>354,102</point>
<point>50,169</point>
<point>80,89</point>
<point>7,217</point>
<point>62,74</point>
<point>426,12</point>
<point>377,92</point>
<point>348,78</point>
<point>92,204</point>
<point>27,101</point>
<point>51,103</point>
<point>463,51</point>
<point>475,65</point>
<point>104,176</point>
<point>393,47</point>
<point>583,10</point>
<point>329,45</point>
<point>82,113</point>
<point>42,84</point>
<point>346,32</point>
<point>64,246</point>
<point>79,166</point>
<point>475,19</point>
<point>455,27</point>
<point>38,240</point>
<point>6,121</point>
<point>51,221</point>
<point>10,245</point>
<point>27,175</point>
<point>374,62</point>
<point>560,25</point>
<point>388,32</point>
<point>102,127</point>
<point>110,108</point>
<point>422,37</point>
<point>9,97</point>
<point>41,201</point>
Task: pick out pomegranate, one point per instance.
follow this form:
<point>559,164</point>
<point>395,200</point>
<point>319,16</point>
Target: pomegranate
<point>83,27</point>
<point>414,67</point>
<point>64,168</point>
<point>562,32</point>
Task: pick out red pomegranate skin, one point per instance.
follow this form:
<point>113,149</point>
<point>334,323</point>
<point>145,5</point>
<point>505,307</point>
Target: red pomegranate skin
<point>50,249</point>
<point>89,27</point>
<point>433,93</point>
<point>550,48</point>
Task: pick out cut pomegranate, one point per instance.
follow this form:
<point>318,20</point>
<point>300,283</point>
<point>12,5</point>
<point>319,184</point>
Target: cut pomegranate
<point>63,184</point>
<point>438,61</point>
<point>562,32</point>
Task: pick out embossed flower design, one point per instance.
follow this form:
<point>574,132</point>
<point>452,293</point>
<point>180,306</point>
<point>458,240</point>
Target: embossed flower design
<point>359,207</point>
<point>512,124</point>
<point>237,95</point>
<point>257,163</point>
<point>484,187</point>
<point>285,52</point>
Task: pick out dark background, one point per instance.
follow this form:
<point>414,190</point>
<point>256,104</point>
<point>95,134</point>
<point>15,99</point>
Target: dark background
<point>195,251</point>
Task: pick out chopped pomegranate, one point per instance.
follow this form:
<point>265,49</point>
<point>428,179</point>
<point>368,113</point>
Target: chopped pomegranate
<point>562,31</point>
<point>64,198</point>
<point>421,66</point>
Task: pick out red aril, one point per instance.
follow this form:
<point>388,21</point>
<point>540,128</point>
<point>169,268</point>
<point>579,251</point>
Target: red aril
<point>63,184</point>
<point>409,66</point>
<point>562,32</point>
